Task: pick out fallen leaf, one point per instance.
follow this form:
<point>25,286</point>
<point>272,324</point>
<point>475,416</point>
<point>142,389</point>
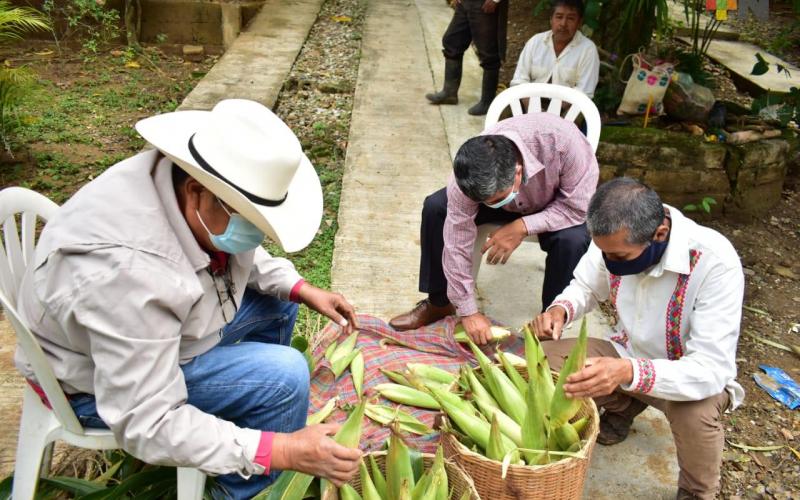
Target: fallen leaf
<point>757,460</point>
<point>785,272</point>
<point>788,435</point>
<point>342,19</point>
<point>117,53</point>
<point>755,448</point>
<point>44,53</point>
<point>132,64</point>
<point>796,453</point>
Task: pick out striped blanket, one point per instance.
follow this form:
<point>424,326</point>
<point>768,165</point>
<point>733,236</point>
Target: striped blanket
<point>385,348</point>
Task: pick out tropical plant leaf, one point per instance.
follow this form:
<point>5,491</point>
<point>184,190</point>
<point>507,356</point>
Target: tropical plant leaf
<point>5,487</point>
<point>72,485</point>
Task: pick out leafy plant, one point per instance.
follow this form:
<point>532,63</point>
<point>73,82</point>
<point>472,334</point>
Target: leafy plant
<point>704,205</point>
<point>790,102</point>
<point>14,23</point>
<point>91,21</point>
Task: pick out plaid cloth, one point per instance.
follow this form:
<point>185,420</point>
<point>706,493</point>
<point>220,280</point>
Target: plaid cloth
<point>385,348</point>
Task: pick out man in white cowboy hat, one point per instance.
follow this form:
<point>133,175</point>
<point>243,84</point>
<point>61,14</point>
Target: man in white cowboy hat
<point>164,318</point>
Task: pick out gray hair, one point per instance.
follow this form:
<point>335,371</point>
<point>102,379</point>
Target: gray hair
<point>625,203</point>
<point>485,165</point>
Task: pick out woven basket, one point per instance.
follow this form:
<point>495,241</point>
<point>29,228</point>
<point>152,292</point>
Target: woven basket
<point>458,481</point>
<point>562,480</point>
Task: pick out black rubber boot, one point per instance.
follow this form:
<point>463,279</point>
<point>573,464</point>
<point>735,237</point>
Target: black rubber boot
<point>488,91</point>
<point>452,80</point>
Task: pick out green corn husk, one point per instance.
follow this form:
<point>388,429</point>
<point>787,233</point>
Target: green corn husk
<point>347,492</point>
<point>495,449</point>
<point>562,409</point>
<point>580,424</point>
<point>338,366</point>
<point>534,430</point>
<point>508,427</point>
<point>330,350</point>
<point>357,371</point>
<point>513,374</point>
<point>349,435</point>
<point>566,436</point>
<point>378,478</point>
<point>397,377</point>
<point>345,348</point>
<point>575,448</point>
<point>501,387</point>
<point>323,413</point>
<point>290,485</point>
<point>422,487</point>
<point>498,334</point>
<point>398,468</point>
<point>537,362</point>
<point>453,399</point>
<point>407,396</point>
<point>368,489</point>
<point>442,489</point>
<point>384,415</point>
<point>431,373</point>
<point>479,392</point>
<point>513,358</point>
<point>476,429</point>
<point>405,491</point>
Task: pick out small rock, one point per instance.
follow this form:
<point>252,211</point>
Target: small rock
<point>194,53</point>
<point>785,272</point>
<point>788,435</point>
<point>335,87</point>
<point>749,272</point>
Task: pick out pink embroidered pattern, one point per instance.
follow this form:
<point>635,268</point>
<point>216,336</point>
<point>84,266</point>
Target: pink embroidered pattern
<point>675,310</point>
<point>621,338</point>
<point>647,375</point>
<point>567,305</point>
<point>613,283</point>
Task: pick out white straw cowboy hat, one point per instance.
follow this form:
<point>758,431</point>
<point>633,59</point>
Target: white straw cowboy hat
<point>251,160</point>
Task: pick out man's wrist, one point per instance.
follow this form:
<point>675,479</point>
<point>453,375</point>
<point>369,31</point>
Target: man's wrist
<point>280,452</point>
<point>625,372</point>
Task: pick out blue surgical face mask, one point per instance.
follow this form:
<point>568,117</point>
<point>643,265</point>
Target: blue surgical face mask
<point>505,201</point>
<point>648,258</point>
<point>240,235</point>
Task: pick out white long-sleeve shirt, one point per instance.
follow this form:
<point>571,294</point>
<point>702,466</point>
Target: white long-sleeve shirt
<point>578,65</point>
<point>120,295</point>
<point>679,322</point>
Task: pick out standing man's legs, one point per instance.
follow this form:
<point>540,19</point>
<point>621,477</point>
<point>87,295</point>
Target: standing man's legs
<point>431,274</point>
<point>564,250</point>
<point>455,42</point>
<point>484,29</point>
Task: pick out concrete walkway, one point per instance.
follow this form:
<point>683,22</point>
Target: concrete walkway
<point>400,150</point>
<point>254,67</point>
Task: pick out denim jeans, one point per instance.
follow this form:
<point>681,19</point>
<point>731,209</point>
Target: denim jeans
<point>251,378</point>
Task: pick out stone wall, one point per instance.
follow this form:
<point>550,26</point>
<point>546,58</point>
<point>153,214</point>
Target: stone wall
<point>191,21</point>
<point>745,180</point>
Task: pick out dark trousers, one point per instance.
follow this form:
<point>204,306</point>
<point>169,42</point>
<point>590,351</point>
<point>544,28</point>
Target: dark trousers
<point>470,24</point>
<point>564,248</point>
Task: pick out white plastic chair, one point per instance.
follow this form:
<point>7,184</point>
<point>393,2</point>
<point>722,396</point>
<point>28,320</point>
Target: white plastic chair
<point>513,97</point>
<point>41,426</point>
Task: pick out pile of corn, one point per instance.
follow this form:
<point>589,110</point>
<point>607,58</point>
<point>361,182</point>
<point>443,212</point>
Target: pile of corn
<point>404,479</point>
<point>498,412</point>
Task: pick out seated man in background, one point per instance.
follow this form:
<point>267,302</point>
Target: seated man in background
<point>166,321</point>
<point>677,289</point>
<point>534,174</point>
<point>563,55</point>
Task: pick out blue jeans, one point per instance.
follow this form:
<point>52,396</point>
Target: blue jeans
<point>251,378</point>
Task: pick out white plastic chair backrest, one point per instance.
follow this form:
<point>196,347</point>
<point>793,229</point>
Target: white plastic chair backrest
<point>16,252</point>
<point>580,105</point>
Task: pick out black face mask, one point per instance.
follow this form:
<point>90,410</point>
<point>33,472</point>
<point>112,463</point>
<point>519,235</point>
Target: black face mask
<point>648,258</point>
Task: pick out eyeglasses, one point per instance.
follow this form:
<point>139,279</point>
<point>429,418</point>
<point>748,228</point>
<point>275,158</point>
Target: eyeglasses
<point>226,293</point>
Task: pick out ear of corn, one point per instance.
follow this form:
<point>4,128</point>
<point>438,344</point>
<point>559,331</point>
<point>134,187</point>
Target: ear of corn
<point>330,349</point>
<point>378,478</point>
<point>385,415</point>
<point>396,377</point>
<point>431,373</point>
<point>501,387</point>
<point>479,392</point>
<point>534,430</point>
<point>349,435</point>
<point>347,492</point>
<point>357,371</point>
<point>405,490</point>
<point>495,450</point>
<point>566,436</point>
<point>368,489</point>
<point>290,485</point>
<point>512,358</point>
<point>339,365</point>
<point>323,413</point>
<point>507,425</point>
<point>399,473</point>
<point>580,424</point>
<point>513,374</point>
<point>407,396</point>
<point>345,348</point>
<point>498,334</point>
<point>562,409</point>
<point>422,488</point>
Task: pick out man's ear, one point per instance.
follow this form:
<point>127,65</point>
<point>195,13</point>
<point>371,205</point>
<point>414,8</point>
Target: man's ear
<point>662,233</point>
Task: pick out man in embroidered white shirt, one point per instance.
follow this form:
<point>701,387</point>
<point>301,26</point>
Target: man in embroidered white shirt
<point>563,55</point>
<point>677,289</point>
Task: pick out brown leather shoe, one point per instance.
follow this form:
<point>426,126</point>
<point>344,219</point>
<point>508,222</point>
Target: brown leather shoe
<point>614,427</point>
<point>424,313</point>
